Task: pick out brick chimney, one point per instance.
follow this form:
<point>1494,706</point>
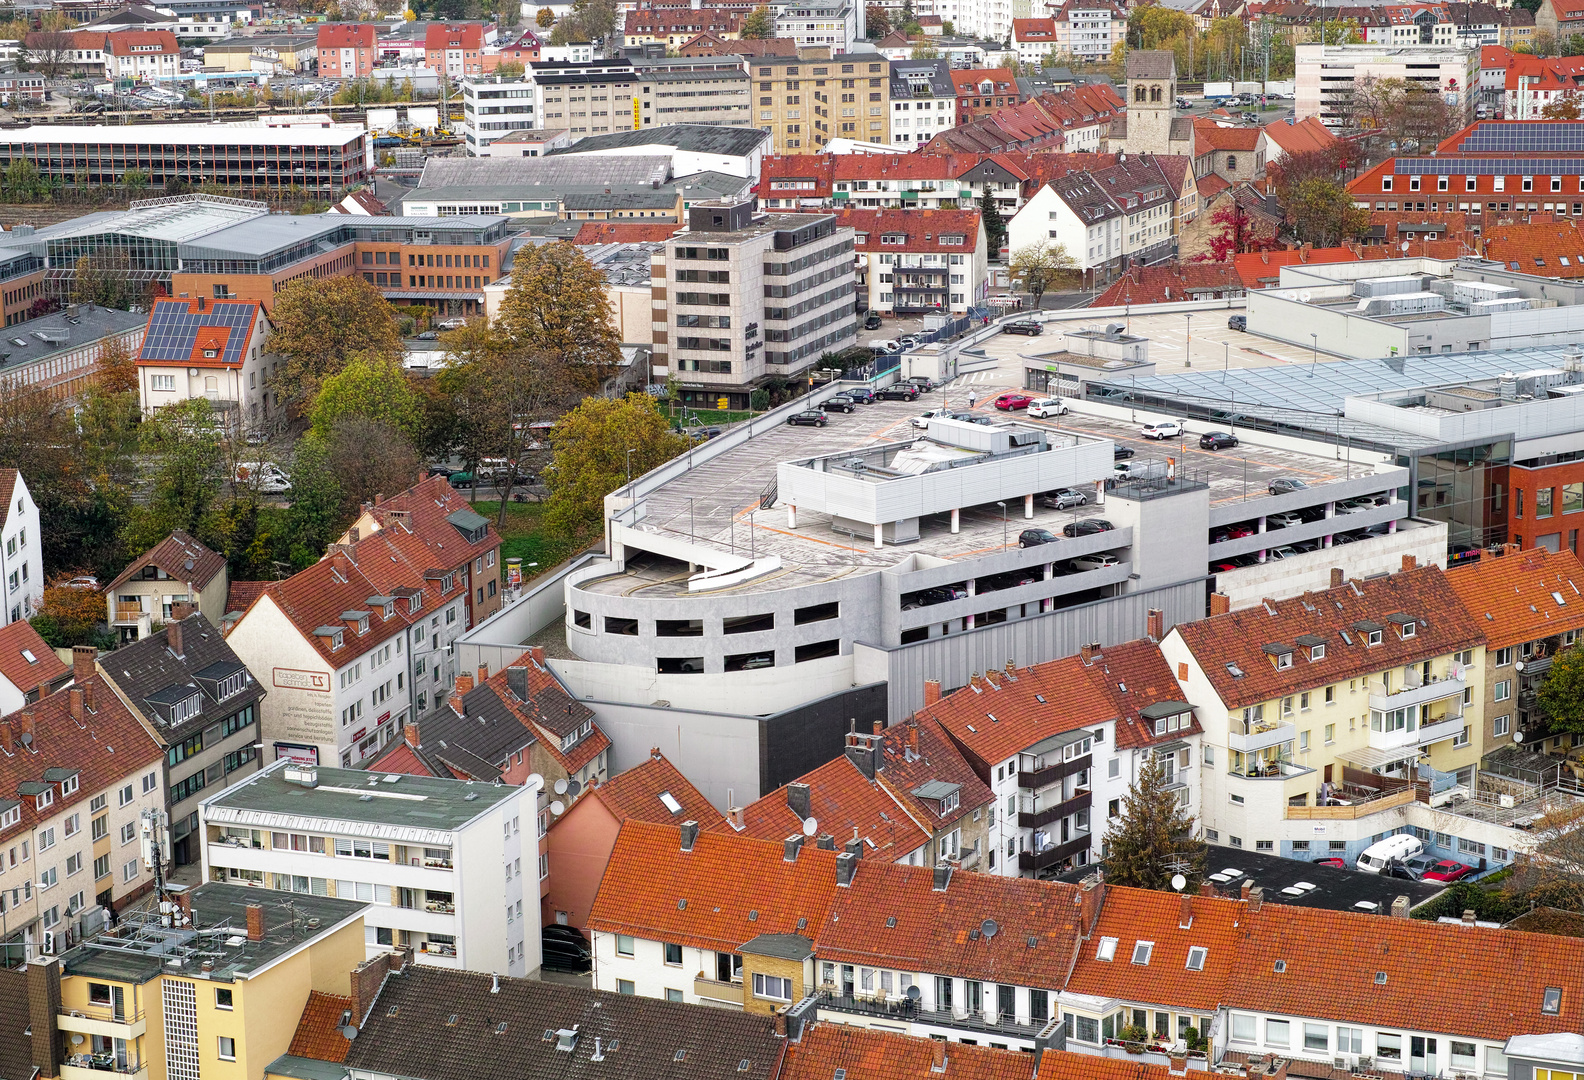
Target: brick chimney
<point>1243,890</point>
<point>23,721</point>
<point>538,654</point>
<point>483,674</point>
<point>1256,899</point>
<point>1469,916</point>
<point>1409,562</point>
<point>7,740</point>
<point>1510,549</point>
<point>1087,653</point>
<point>912,736</point>
<point>180,609</point>
<point>1338,578</point>
<point>1155,623</point>
<point>1220,603</point>
<point>184,901</point>
<point>734,814</point>
<point>173,633</point>
<point>1178,1066</point>
<point>797,796</point>
<point>464,683</point>
<point>255,922</point>
<point>367,978</point>
<point>938,1059</point>
<point>410,734</point>
<point>77,704</point>
<point>1185,912</point>
<point>83,660</point>
<point>1399,908</point>
<point>1207,889</point>
<point>1091,898</point>
<point>654,753</point>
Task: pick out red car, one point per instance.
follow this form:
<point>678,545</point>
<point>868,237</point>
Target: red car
<point>1447,870</point>
<point>1013,401</point>
<point>1238,531</point>
<point>1340,864</point>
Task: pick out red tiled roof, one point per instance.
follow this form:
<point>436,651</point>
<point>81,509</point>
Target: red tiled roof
<point>441,36</point>
<point>1538,247</point>
<point>625,232</point>
<point>998,715</point>
<point>318,1033</point>
<point>1238,638</point>
<point>845,803</point>
<point>422,510</point>
<point>317,596</point>
<point>635,796</point>
<point>924,229</point>
<point>933,928</point>
<point>708,44</point>
<point>967,81</point>
<point>919,750</point>
<point>1033,30</point>
<point>1172,281</point>
<point>123,42</point>
<point>8,480</point>
<point>1300,138</point>
<point>1261,269</point>
<point>239,594</point>
<point>1133,915</point>
<point>346,36</point>
<point>1510,598</point>
<point>729,889</point>
<point>17,669</point>
<point>1132,676</point>
<point>1209,136</point>
<point>402,758</point>
<point>179,555</point>
<point>1060,1065</point>
<point>866,1054</point>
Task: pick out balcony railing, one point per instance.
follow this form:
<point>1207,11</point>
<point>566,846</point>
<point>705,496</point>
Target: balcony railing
<point>716,990</point>
<point>1034,779</point>
<point>1251,736</point>
<point>128,613</point>
<point>1033,819</point>
<point>1413,695</point>
<point>108,1013</point>
<point>899,1007</point>
<point>1271,770</point>
<point>1353,808</point>
<point>1055,855</point>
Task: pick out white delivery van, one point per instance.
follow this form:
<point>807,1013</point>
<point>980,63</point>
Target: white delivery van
<point>1400,847</point>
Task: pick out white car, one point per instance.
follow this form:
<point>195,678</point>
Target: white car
<point>265,476</point>
<point>924,421</point>
<point>1284,521</point>
<point>1099,561</point>
<point>1354,506</point>
<point>1043,407</point>
<point>1166,429</point>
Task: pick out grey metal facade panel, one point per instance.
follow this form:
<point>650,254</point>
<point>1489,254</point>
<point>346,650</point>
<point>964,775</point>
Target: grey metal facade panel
<point>953,659</point>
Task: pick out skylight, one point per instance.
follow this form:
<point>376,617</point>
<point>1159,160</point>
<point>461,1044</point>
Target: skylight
<point>1141,951</point>
<point>27,654</point>
<point>670,802</point>
<point>1551,1002</point>
<point>1280,967</point>
<point>1380,978</point>
<point>1196,958</point>
<point>1107,949</point>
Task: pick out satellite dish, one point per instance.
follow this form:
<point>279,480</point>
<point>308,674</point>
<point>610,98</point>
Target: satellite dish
<point>77,1040</point>
<point>349,1032</point>
<point>535,778</point>
<point>1305,296</point>
<point>1518,736</point>
<point>989,928</point>
<point>560,787</point>
<point>1179,882</point>
<point>558,808</point>
<point>573,787</point>
<point>1519,666</point>
<point>810,826</point>
<point>1405,245</point>
<point>27,738</point>
<point>914,993</point>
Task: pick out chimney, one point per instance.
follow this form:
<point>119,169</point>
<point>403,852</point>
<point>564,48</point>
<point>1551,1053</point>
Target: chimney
<point>1178,1066</point>
<point>1399,908</point>
<point>1206,889</point>
<point>7,740</point>
<point>932,692</point>
<point>912,736</point>
<point>1303,252</point>
<point>825,842</point>
<point>654,753</point>
<point>938,1061</point>
<point>255,922</point>
<point>734,814</point>
<point>942,878</point>
<point>410,734</point>
<point>690,831</point>
<point>793,845</point>
<point>865,753</point>
<point>1409,562</point>
<point>854,846</point>
<point>24,724</point>
<point>43,1004</point>
<point>1469,916</point>
<point>1087,652</point>
<point>1185,914</point>
<point>798,800</point>
<point>1220,603</point>
<point>538,654</point>
<point>1338,578</point>
<point>1256,900</point>
<point>77,704</point>
<point>400,958</point>
<point>183,901</point>
<point>83,660</point>
<point>1091,898</point>
<point>483,674</point>
<point>464,684</point>
<point>1510,549</point>
<point>173,633</point>
<point>846,867</point>
<point>1243,890</point>
<point>1155,621</point>
<point>367,978</point>
<point>780,1025</point>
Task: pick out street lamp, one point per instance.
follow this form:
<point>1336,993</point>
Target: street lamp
<point>1002,505</point>
<point>1188,345</point>
<point>1227,359</point>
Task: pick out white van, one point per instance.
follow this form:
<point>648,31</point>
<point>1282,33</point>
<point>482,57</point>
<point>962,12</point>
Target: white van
<point>1400,847</point>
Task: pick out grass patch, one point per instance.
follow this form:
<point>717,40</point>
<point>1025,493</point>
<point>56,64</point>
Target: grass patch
<point>527,537</point>
<point>705,417</point>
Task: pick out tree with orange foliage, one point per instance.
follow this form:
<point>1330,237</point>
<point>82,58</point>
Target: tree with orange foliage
<point>117,367</point>
<point>70,616</point>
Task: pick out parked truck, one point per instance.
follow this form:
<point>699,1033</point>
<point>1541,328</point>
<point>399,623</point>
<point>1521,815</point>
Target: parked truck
<point>1213,90</point>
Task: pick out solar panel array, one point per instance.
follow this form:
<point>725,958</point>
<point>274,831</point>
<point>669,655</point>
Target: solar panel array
<point>173,330</point>
<point>1520,138</point>
<point>1547,166</point>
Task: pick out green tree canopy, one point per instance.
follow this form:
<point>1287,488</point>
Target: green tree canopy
<point>591,457</point>
<point>1153,839</point>
<point>184,440</point>
<point>1561,695</point>
<point>1038,266</point>
<point>557,307</point>
<point>315,515</point>
<point>758,25</point>
<point>994,224</point>
<point>321,324</point>
<point>373,387</point>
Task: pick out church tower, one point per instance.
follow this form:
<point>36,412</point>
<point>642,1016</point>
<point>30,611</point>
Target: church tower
<point>1151,102</point>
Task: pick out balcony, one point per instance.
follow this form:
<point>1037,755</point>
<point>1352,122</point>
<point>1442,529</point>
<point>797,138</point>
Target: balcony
<point>1250,737</point>
<point>103,1020</point>
<point>1435,731</point>
<point>900,1007</point>
<point>100,1067</point>
<point>1416,694</point>
<point>127,614</point>
<point>719,993</point>
<point>1034,779</point>
<point>1054,856</point>
<point>1034,819</point>
<point>1271,770</point>
<point>1352,809</point>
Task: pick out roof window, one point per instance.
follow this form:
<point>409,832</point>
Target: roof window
<point>1380,978</point>
<point>1280,967</point>
<point>1141,951</point>
<point>1196,958</point>
<point>1107,949</point>
<point>1551,1000</point>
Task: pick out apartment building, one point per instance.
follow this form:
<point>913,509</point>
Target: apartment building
<point>1034,41</point>
<point>981,91</point>
<point>1327,75</point>
<point>211,986</point>
<point>594,98</point>
<point>912,261</point>
<point>1088,31</point>
<point>1105,219</point>
<point>1513,598</point>
<point>347,50</point>
<point>187,686</point>
<point>923,101</point>
<point>457,49</point>
<point>907,794</point>
<point>77,772</point>
<point>804,104</point>
<point>674,27</point>
<point>787,277</point>
<point>426,853</point>
<point>177,570</point>
<point>22,555</point>
<point>695,90</point>
<point>820,24</point>
<point>29,669</point>
<point>143,56</point>
<point>209,349</point>
<point>1326,694</point>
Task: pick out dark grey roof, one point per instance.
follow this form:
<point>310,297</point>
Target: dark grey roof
<point>1151,64</point>
<point>147,670</point>
<point>513,1032</point>
<point>935,789</point>
<point>698,138</point>
<point>16,1048</point>
<point>487,733</point>
<point>1156,709</point>
<point>661,199</point>
<point>49,335</point>
<point>781,946</point>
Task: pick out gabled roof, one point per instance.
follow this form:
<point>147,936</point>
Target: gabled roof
<point>1130,916</point>
<point>195,333</point>
<point>318,1033</point>
<point>1135,678</point>
<point>138,42</point>
<point>727,890</point>
<point>1026,30</point>
<point>1553,249</point>
<point>314,599</point>
<point>151,675</point>
<point>8,483</point>
<point>1172,281</point>
<point>918,753</point>
<point>639,795</point>
<point>892,916</point>
<point>844,803</point>
<point>1230,648</point>
<point>1001,714</point>
<point>924,230</point>
<point>1262,269</point>
<point>186,560</point>
<point>827,1049</point>
<point>1300,138</point>
<point>239,594</point>
<point>1210,136</point>
<point>346,36</point>
<point>442,36</point>
<point>18,642</point>
<point>1514,598</point>
<point>427,512</point>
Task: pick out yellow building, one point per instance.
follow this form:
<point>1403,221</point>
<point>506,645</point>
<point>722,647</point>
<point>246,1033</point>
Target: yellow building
<point>216,999</point>
<point>804,104</point>
<point>1321,711</point>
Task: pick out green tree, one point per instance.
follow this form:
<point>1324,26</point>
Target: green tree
<point>994,224</point>
<point>545,19</point>
<point>1153,839</point>
<point>321,324</point>
<point>1561,695</point>
<point>106,278</point>
<point>373,387</point>
<point>948,28</point>
<point>597,17</point>
<point>556,308</point>
<point>509,69</point>
<point>759,25</point>
<point>925,51</point>
<point>1322,213</point>
<point>182,441</point>
<point>592,460</point>
<point>1038,266</point>
<point>314,517</point>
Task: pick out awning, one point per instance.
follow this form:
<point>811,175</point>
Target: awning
<point>1372,759</point>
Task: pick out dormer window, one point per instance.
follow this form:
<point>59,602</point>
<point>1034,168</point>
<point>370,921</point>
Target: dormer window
<point>414,602</point>
<point>948,804</point>
<point>210,354</point>
<point>1409,629</point>
<point>1372,637</point>
<point>11,817</point>
<point>1316,652</point>
<point>44,798</point>
<point>68,786</point>
<point>362,625</point>
<point>389,611</point>
<point>186,709</point>
<point>231,684</point>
